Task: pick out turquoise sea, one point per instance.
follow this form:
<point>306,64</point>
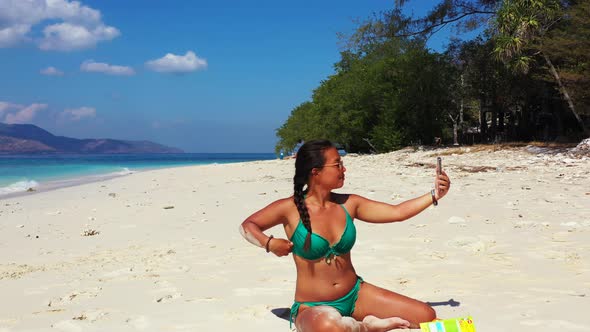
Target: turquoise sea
<point>18,173</point>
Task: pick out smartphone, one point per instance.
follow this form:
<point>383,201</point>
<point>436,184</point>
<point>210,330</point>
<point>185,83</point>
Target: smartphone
<point>438,165</point>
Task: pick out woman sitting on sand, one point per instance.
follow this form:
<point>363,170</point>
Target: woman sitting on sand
<point>329,296</point>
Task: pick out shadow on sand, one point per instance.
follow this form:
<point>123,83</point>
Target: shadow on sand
<point>281,312</point>
<point>450,302</point>
<point>285,312</point>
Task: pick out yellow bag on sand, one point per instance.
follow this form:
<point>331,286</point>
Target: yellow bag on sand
<point>463,324</point>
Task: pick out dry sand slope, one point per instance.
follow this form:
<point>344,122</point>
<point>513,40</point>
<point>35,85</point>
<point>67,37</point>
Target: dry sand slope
<point>160,251</point>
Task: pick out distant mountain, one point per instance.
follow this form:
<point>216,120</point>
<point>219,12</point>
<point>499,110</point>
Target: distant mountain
<point>26,138</point>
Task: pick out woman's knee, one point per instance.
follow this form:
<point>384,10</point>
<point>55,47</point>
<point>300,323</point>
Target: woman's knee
<point>425,313</point>
<point>321,319</point>
<point>331,324</point>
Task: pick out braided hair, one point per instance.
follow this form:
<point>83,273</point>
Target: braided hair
<point>309,156</point>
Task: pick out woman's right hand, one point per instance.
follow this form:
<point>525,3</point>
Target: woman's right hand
<point>280,247</point>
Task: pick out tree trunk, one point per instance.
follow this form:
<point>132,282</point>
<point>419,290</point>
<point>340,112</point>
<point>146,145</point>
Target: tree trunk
<point>483,126</point>
<point>494,124</point>
<point>370,144</point>
<point>455,126</point>
<point>563,91</point>
<point>461,109</point>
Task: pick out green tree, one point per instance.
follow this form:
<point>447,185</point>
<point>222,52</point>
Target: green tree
<point>395,95</point>
<point>568,45</point>
<point>520,27</point>
<point>463,15</point>
<point>303,123</point>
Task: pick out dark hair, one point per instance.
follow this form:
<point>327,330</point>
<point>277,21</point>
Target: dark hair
<point>309,156</point>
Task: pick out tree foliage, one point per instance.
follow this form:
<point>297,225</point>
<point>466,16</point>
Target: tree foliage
<point>378,99</point>
<point>568,44</point>
<point>389,90</point>
<point>521,27</point>
<point>463,15</point>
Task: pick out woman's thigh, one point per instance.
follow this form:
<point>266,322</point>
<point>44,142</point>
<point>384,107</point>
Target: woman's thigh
<point>382,303</point>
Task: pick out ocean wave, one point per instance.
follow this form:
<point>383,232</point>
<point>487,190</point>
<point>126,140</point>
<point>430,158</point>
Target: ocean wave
<point>124,171</point>
<point>18,187</point>
<point>98,176</point>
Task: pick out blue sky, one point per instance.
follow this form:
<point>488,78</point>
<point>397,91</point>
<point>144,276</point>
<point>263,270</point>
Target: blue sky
<point>203,76</point>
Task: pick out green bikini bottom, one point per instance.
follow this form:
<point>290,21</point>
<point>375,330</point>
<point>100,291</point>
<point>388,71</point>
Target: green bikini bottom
<point>344,305</point>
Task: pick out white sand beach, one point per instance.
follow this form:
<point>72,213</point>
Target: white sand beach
<point>160,250</point>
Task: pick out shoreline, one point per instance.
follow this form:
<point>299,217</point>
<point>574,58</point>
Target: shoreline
<point>549,149</point>
<point>95,178</point>
<point>65,181</point>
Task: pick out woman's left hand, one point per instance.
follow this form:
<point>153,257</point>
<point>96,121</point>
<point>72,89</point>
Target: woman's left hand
<point>442,184</point>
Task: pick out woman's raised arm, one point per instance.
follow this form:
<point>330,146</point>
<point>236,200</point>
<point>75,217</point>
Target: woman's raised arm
<point>252,229</point>
<point>379,212</point>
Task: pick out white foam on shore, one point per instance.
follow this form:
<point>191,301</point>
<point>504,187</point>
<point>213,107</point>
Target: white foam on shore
<point>17,187</point>
<point>56,184</point>
<point>124,171</point>
<point>31,186</point>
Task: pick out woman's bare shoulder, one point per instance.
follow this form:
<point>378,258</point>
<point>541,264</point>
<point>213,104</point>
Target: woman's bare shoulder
<point>346,198</point>
<point>342,198</point>
<point>350,201</point>
<point>276,212</point>
<point>283,203</point>
<point>287,209</point>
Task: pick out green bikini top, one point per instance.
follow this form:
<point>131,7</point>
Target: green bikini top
<point>320,247</point>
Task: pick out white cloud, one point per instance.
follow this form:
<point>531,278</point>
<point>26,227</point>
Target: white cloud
<point>99,67</point>
<point>29,12</point>
<point>13,34</point>
<point>23,114</point>
<point>51,71</point>
<point>171,63</point>
<point>77,27</point>
<point>68,37</point>
<point>4,106</point>
<point>76,114</point>
<point>34,11</point>
<point>72,11</point>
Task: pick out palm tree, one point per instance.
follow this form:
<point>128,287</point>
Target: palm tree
<point>519,28</point>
